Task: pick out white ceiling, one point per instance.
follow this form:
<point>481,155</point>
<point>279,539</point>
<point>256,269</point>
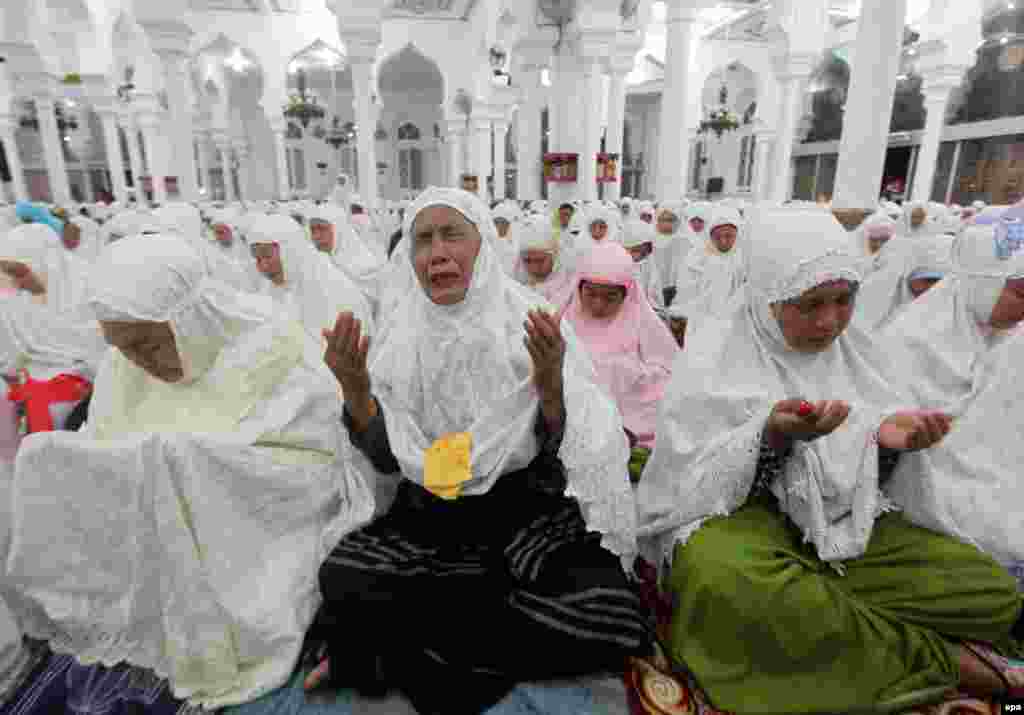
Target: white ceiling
<point>434,9</point>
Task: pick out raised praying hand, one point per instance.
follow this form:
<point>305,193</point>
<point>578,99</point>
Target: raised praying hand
<point>546,346</point>
<point>345,355</point>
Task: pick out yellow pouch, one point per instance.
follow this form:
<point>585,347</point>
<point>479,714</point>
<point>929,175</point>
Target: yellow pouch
<point>446,465</point>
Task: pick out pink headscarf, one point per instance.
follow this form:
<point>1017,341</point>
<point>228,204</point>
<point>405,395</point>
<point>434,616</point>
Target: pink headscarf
<point>633,352</point>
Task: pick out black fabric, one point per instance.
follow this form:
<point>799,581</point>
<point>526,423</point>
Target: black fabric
<point>78,416</point>
<point>482,592</point>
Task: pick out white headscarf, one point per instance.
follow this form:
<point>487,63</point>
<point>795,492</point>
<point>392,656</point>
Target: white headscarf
<point>464,368</point>
<point>637,233</point>
<point>887,291</point>
<point>351,255</point>
<point>944,335</point>
<point>314,290</point>
<point>508,246</point>
<point>670,250</point>
<point>190,538</point>
<point>65,276</point>
<point>708,281</point>
<point>726,383</point>
<point>535,235</point>
<point>968,485</point>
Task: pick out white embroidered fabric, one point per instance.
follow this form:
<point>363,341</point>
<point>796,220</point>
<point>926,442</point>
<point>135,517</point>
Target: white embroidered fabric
<point>465,368</point>
<point>725,385</point>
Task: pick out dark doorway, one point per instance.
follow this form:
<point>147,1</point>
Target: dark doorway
<point>895,177</point>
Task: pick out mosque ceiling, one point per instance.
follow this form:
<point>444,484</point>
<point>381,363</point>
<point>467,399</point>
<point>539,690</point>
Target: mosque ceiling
<point>258,6</point>
<point>437,9</point>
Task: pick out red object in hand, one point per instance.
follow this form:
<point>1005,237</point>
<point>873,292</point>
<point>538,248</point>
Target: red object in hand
<point>38,395</point>
<point>806,409</point>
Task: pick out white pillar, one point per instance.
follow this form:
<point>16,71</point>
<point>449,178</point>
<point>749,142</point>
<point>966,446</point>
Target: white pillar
<point>112,149</point>
<point>224,153</point>
<point>500,137</point>
<point>938,83</point>
<point>763,143</point>
<point>528,139</point>
<point>203,140</point>
<point>131,135</point>
<point>242,154</point>
<point>480,153</point>
<point>181,163</point>
<point>280,129</point>
<point>618,70</point>
<point>679,21</point>
<point>454,133</point>
<point>53,150</point>
<point>7,126</point>
<point>366,118</point>
<point>593,89</point>
<point>869,104</point>
<point>793,76</point>
<point>148,123</point>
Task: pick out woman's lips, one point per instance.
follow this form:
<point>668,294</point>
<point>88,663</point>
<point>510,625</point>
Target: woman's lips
<point>444,280</point>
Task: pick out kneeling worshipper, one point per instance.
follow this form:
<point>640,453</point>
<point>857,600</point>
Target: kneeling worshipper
<point>672,244</point>
<point>181,530</point>
<point>32,257</point>
<point>506,222</point>
<point>540,266</point>
<point>631,348</point>
<point>796,588</point>
<point>946,336</point>
<point>885,293</point>
<point>333,236</point>
<point>638,239</point>
<point>514,523</point>
<point>873,240</point>
<point>300,278</point>
<point>228,256</point>
<point>711,277</point>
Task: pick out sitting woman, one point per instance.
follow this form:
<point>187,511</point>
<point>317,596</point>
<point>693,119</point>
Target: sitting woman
<point>947,335</point>
<point>887,292</point>
<point>301,279</point>
<point>333,235</point>
<point>796,588</point>
<point>207,481</point>
<point>540,266</point>
<point>631,348</point>
<point>515,518</point>
<point>507,218</point>
<point>36,259</point>
<point>672,244</point>
<point>227,256</point>
<point>873,240</point>
<point>638,239</point>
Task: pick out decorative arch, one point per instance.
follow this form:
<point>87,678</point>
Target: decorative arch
<point>741,83</point>
<point>407,131</point>
<point>410,69</point>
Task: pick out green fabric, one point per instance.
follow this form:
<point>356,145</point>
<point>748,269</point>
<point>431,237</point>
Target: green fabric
<point>638,457</point>
<point>767,627</point>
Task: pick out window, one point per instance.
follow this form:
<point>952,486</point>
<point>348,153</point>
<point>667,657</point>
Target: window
<point>350,162</point>
<point>408,132</point>
<point>698,160</point>
<point>410,169</point>
<point>741,172</point>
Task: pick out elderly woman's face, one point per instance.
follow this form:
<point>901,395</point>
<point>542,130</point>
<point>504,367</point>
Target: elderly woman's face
<point>268,261</point>
<point>917,216</point>
<point>666,223</point>
<point>640,252</point>
<point>502,225</point>
<point>600,301</point>
<point>724,237</point>
<point>812,322</point>
<point>445,247</point>
<point>71,236</point>
<point>538,264</point>
<point>697,224</point>
<point>598,230</point>
<point>148,345</point>
<point>877,240</point>
<point>222,232</point>
<point>323,235</point>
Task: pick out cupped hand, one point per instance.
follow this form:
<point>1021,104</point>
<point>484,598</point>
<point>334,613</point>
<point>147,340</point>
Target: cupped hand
<point>546,346</point>
<point>914,430</point>
<point>345,355</point>
<point>792,420</point>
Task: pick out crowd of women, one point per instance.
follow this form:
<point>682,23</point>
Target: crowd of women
<point>434,443</point>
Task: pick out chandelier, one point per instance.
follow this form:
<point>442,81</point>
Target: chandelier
<point>303,106</point>
<point>721,119</point>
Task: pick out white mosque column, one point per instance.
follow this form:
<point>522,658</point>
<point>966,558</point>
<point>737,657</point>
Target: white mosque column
<point>528,127</point>
<point>764,141</point>
<point>454,133</point>
<point>202,140</point>
<point>618,68</point>
<point>8,123</point>
<point>170,42</point>
<point>679,25</point>
<point>280,129</point>
<point>112,150</point>
<point>53,150</point>
<point>594,48</point>
<point>480,153</point>
<point>149,125</point>
<point>862,148</point>
<point>793,75</point>
<point>937,85</point>
<point>242,153</point>
<point>500,137</point>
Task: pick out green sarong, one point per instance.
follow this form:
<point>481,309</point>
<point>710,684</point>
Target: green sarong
<point>767,627</point>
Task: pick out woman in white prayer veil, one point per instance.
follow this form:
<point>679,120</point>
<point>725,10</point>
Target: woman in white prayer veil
<point>762,497</point>
<point>182,528</point>
<point>886,292</point>
<point>639,240</point>
<point>332,234</point>
<point>302,279</point>
<point>712,276</point>
<point>539,264</point>
<point>507,222</point>
<point>33,258</point>
<point>878,241</point>
<point>948,334</point>
<point>514,518</point>
<point>227,255</point>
